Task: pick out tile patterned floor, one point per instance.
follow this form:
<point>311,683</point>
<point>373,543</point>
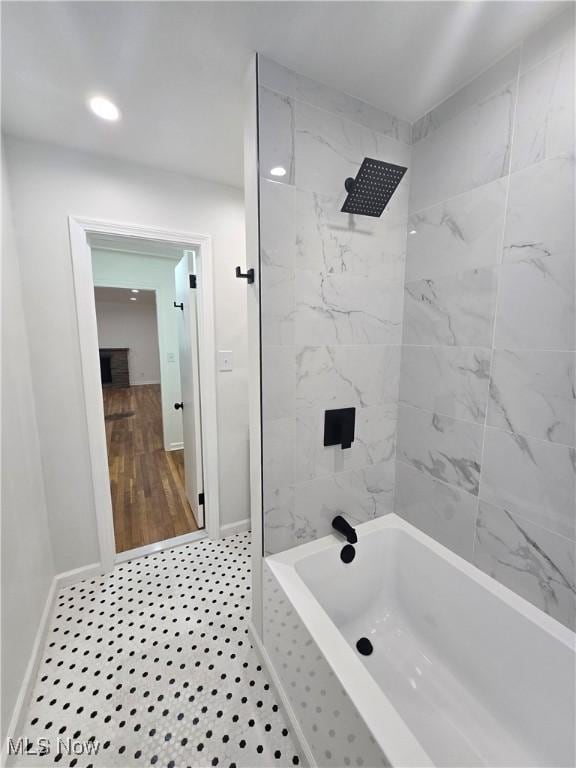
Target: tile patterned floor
<point>154,663</point>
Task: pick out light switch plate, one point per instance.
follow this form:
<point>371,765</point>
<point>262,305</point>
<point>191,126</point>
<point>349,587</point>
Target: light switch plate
<point>225,360</point>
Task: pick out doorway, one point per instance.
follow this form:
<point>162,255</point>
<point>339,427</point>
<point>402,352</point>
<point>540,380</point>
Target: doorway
<point>147,481</point>
<point>160,459</point>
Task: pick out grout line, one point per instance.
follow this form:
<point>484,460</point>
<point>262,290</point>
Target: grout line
<point>497,272</point>
<point>398,123</point>
<point>439,480</point>
<point>446,200</point>
<point>567,155</point>
<point>480,499</point>
<point>484,425</point>
<point>368,345</point>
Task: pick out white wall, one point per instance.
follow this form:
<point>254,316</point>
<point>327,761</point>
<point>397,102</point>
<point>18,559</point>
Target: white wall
<point>48,183</point>
<point>133,327</point>
<point>145,271</point>
<point>27,565</point>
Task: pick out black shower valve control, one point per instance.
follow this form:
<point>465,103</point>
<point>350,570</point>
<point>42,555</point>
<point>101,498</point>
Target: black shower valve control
<point>339,427</point>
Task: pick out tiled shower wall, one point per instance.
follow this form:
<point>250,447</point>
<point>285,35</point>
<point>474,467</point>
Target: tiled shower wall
<point>331,307</point>
<point>485,447</point>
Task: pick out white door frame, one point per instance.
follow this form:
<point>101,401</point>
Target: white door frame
<point>80,229</point>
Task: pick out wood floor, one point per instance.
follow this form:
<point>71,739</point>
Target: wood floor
<point>147,482</point>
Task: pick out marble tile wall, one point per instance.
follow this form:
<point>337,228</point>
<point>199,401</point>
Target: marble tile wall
<point>332,289</point>
<point>486,452</point>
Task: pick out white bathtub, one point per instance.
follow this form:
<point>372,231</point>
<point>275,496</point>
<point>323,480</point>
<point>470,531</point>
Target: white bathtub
<point>464,672</point>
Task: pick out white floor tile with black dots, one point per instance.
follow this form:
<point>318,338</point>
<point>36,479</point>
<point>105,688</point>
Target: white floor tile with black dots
<point>154,662</point>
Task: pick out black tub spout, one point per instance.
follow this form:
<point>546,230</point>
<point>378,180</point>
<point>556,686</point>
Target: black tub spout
<point>343,526</point>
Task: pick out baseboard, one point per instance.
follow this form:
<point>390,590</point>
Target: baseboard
<point>160,546</point>
<point>239,527</point>
<point>176,446</point>
<point>284,701</point>
<point>16,726</point>
<point>142,383</point>
<point>78,574</point>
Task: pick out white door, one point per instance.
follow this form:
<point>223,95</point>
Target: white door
<point>190,382</point>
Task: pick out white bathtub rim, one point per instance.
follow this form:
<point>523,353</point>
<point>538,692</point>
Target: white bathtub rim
<point>534,614</point>
<point>398,743</point>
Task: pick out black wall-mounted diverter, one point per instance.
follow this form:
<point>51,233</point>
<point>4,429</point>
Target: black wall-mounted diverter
<point>339,427</point>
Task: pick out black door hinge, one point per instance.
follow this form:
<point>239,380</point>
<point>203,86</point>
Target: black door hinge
<point>193,281</point>
<point>201,499</point>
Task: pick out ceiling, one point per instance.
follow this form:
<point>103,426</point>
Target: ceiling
<point>175,69</point>
<point>124,295</point>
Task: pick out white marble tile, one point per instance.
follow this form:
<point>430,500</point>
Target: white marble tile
<point>540,212</point>
<point>534,563</point>
<point>532,478</point>
<point>374,442</point>
<point>278,440</point>
<point>534,393</point>
<point>276,135</point>
<point>549,38</point>
<point>294,516</point>
<point>545,113</point>
<point>341,377</point>
<point>444,448</point>
<point>442,511</point>
<point>277,305</point>
<point>279,78</point>
<point>455,310</point>
<point>277,224</point>
<point>468,151</point>
<point>275,77</point>
<point>350,108</point>
<point>359,495</point>
<point>482,87</point>
<point>347,309</point>
<point>536,304</point>
<point>332,242</point>
<point>278,382</point>
<point>452,381</point>
<point>329,149</point>
<point>283,526</point>
<point>462,233</point>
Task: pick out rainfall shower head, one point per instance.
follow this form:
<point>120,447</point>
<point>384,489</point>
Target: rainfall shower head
<point>374,185</point>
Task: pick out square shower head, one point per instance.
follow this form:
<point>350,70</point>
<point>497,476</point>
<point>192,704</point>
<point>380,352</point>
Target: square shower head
<point>374,185</point>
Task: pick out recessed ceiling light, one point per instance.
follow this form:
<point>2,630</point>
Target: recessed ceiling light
<point>133,298</point>
<point>104,108</point>
<point>278,171</point>
<point>134,290</point>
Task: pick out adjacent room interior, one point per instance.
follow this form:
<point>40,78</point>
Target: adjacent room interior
<point>139,337</point>
<point>147,481</point>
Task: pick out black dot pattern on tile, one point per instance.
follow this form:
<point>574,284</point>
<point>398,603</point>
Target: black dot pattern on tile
<point>153,662</point>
